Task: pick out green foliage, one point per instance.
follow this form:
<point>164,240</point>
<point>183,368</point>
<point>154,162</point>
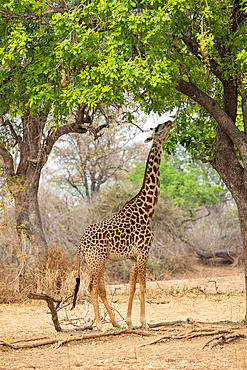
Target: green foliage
<point>96,58</point>
<point>35,50</point>
<point>146,48</point>
<point>106,48</point>
<point>186,185</point>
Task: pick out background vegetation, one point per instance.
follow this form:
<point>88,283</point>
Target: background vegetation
<point>195,220</point>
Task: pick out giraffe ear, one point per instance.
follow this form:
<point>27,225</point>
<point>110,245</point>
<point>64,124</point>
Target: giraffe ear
<point>148,139</point>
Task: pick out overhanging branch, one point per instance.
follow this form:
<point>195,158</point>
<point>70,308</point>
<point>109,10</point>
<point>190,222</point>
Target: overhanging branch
<point>194,47</point>
<point>16,137</point>
<point>212,106</point>
<point>83,123</point>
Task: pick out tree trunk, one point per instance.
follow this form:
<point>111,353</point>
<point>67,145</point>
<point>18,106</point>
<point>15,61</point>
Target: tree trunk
<point>28,220</point>
<point>34,145</point>
<point>26,184</point>
<point>242,213</point>
<point>232,171</point>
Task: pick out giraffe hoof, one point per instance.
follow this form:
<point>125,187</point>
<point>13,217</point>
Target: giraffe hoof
<point>145,326</point>
<point>101,328</point>
<point>116,325</point>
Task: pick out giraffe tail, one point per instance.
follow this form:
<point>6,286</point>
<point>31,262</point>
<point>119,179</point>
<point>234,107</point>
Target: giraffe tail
<point>78,277</point>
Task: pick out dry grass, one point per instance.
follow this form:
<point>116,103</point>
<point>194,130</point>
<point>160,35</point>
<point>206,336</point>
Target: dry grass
<point>54,276</point>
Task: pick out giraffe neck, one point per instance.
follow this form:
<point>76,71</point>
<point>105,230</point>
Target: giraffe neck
<point>151,183</point>
<point>144,203</point>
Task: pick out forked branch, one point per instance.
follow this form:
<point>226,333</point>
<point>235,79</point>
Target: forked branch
<point>51,304</point>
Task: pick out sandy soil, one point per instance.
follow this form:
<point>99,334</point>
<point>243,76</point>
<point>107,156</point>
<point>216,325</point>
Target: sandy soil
<point>210,296</point>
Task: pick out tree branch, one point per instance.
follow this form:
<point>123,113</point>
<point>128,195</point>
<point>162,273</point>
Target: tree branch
<point>194,47</point>
<point>26,7</point>
<point>81,125</point>
<point>220,116</point>
<point>16,137</point>
<point>238,16</point>
<point>8,161</point>
<point>50,302</point>
<point>11,15</point>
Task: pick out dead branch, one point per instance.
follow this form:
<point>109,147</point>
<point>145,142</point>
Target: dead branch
<point>221,335</point>
<point>168,323</point>
<point>224,256</point>
<point>62,304</point>
<point>205,333</point>
<point>50,301</point>
<point>157,302</point>
<point>222,339</point>
<point>190,321</point>
<point>30,344</point>
<point>218,334</point>
<point>58,341</point>
<point>176,330</point>
<point>81,327</point>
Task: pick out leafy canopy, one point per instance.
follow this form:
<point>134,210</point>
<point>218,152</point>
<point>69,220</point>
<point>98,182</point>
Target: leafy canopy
<point>106,48</point>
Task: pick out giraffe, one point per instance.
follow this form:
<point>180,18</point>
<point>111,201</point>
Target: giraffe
<point>126,235</point>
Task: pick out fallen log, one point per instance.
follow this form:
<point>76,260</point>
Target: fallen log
<point>225,257</point>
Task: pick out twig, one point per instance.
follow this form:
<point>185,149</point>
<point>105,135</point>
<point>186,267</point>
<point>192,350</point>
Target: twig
<point>61,304</point>
<point>114,309</point>
<point>82,327</point>
<point>105,313</point>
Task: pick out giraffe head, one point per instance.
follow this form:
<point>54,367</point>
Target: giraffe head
<point>160,133</point>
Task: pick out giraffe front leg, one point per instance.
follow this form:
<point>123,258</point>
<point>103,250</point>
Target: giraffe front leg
<point>142,263</point>
<point>132,288</point>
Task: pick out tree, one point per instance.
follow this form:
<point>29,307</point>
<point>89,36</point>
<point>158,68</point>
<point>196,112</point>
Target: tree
<point>83,164</point>
<point>41,97</point>
<point>189,56</point>
<point>34,146</point>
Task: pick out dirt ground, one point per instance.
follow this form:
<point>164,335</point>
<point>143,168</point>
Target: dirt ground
<point>210,296</point>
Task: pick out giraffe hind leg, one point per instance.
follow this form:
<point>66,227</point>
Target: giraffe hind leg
<point>93,289</point>
<point>102,293</point>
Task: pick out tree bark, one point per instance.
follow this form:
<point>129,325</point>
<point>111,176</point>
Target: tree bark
<point>27,213</point>
<point>242,214</point>
<point>24,183</point>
